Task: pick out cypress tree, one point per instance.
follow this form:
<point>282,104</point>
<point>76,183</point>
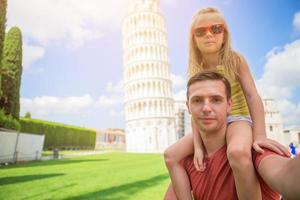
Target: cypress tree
<point>11,72</point>
<point>3,4</point>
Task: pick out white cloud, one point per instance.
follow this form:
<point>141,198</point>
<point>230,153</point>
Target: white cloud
<point>179,87</point>
<point>73,22</point>
<point>180,95</point>
<point>31,54</point>
<point>45,105</point>
<point>282,69</point>
<point>114,113</point>
<point>169,2</point>
<point>108,101</point>
<point>114,96</point>
<point>290,112</point>
<point>296,21</point>
<point>116,89</point>
<point>178,81</point>
<point>281,80</point>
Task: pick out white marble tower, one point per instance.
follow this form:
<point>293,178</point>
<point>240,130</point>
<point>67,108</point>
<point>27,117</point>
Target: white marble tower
<point>149,112</point>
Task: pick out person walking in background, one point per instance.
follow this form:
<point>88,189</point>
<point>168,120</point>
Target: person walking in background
<point>292,150</point>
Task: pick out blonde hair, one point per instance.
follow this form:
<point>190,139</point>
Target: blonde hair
<point>228,58</point>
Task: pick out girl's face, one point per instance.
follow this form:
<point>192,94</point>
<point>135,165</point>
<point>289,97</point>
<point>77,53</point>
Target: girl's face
<point>209,33</point>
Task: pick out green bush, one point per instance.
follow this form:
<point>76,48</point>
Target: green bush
<point>60,135</point>
<point>8,122</point>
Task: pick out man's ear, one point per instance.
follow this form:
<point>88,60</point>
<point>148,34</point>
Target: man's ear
<point>229,105</point>
<point>187,105</point>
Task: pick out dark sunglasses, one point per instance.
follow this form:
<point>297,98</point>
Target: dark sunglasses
<point>213,29</point>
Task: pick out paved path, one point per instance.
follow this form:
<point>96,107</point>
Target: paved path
<point>74,154</point>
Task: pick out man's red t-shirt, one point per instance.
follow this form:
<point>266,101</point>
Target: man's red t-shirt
<point>217,181</point>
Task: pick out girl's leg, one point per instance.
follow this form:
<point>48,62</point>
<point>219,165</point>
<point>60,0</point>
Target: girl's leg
<point>173,155</point>
<point>170,194</point>
<point>239,144</point>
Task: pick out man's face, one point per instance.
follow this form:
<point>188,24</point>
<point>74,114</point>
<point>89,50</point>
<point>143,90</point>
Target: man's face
<point>208,105</point>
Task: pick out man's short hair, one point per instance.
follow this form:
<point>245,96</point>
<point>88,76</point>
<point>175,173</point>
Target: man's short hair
<point>208,75</point>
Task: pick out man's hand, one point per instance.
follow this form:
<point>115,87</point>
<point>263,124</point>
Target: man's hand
<point>273,145</point>
<point>198,160</point>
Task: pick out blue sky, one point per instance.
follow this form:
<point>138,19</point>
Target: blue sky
<point>73,66</point>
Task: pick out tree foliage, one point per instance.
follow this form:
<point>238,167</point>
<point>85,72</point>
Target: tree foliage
<point>11,72</point>
<point>3,4</point>
<point>8,122</point>
<point>27,115</point>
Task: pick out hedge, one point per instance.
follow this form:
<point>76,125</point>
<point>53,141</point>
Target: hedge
<point>60,135</point>
<point>8,122</point>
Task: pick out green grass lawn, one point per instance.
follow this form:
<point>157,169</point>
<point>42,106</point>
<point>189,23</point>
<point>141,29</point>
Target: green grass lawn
<point>103,176</point>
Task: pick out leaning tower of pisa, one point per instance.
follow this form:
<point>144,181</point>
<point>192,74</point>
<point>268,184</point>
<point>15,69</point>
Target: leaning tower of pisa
<point>149,112</point>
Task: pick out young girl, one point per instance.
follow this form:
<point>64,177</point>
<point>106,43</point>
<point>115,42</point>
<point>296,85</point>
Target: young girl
<point>210,49</point>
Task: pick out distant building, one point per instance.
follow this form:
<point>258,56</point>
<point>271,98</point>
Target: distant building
<point>292,134</point>
<point>182,119</point>
<point>273,120</point>
<point>110,139</point>
<point>149,111</point>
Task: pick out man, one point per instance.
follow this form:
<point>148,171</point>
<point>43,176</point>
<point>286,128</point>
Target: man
<point>208,101</point>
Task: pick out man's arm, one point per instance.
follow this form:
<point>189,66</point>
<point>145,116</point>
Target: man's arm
<point>282,174</point>
<point>170,193</point>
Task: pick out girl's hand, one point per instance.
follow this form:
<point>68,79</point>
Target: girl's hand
<point>273,145</point>
<point>198,160</point>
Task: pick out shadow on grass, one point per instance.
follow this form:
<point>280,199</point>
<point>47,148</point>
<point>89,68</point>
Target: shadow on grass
<point>52,162</point>
<point>49,192</point>
<point>122,191</point>
<point>20,179</point>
